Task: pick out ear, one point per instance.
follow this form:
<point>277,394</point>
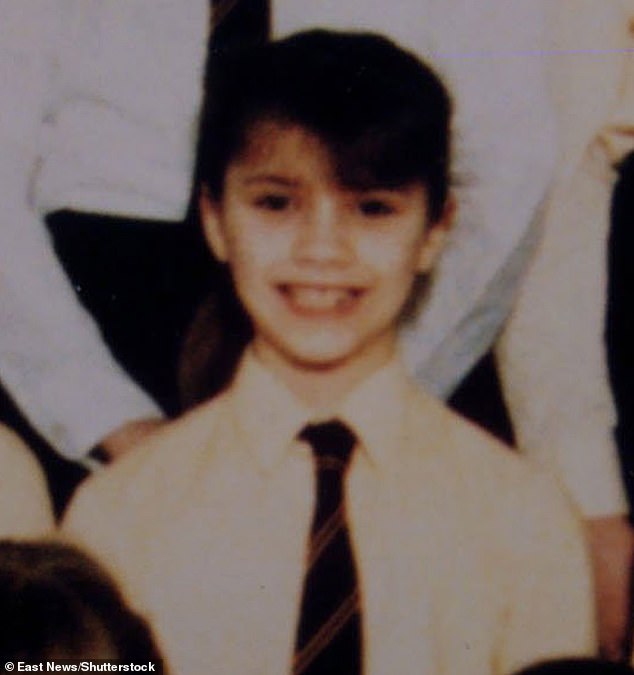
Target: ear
<point>210,217</point>
<point>436,236</point>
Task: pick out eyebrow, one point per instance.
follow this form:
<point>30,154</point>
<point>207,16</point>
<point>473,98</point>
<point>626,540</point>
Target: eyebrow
<point>288,182</point>
<point>282,181</point>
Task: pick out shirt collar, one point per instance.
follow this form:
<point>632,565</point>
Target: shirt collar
<point>269,416</point>
<point>376,410</point>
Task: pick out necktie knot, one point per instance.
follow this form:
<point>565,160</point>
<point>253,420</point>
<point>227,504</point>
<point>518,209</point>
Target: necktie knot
<point>332,443</point>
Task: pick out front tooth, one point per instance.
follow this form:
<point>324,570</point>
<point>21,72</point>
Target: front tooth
<point>318,298</point>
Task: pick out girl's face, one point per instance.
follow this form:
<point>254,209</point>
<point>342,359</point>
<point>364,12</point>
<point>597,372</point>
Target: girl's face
<point>322,269</point>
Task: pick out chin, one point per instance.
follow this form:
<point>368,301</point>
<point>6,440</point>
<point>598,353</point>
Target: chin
<point>326,350</point>
<point>326,356</point>
<point>319,360</point>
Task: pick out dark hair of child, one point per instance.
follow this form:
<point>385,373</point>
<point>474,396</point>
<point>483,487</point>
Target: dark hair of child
<point>57,603</point>
<point>383,115</point>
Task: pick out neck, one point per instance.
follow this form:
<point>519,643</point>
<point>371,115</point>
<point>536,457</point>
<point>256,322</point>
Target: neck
<point>321,386</point>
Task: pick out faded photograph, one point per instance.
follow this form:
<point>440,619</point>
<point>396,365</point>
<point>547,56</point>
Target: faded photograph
<point>314,329</point>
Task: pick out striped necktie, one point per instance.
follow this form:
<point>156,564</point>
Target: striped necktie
<point>329,636</point>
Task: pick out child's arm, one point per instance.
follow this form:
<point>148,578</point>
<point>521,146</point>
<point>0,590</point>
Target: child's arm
<point>552,355</point>
<point>98,103</point>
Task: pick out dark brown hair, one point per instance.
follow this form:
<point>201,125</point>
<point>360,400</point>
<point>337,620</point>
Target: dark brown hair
<point>382,113</point>
<point>56,602</point>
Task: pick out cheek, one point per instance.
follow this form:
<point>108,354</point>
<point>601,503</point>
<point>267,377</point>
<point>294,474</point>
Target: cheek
<point>392,257</point>
<point>253,253</point>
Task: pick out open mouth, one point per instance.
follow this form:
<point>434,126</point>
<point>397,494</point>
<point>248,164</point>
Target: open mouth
<point>314,299</point>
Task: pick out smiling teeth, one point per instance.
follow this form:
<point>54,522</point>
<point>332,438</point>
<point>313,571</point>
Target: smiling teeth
<point>319,299</point>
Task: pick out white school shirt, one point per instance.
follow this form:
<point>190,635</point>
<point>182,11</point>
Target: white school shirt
<point>469,560</point>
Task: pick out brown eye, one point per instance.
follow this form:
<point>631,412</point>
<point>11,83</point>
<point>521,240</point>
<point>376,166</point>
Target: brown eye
<point>375,207</point>
<point>272,202</point>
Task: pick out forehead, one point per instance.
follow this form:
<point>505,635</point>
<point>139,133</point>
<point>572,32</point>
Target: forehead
<point>289,150</point>
<point>284,146</point>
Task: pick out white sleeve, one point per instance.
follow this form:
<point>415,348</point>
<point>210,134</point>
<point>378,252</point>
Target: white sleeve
<point>120,133</point>
<point>551,356</point>
<point>552,353</point>
<point>490,56</point>
<point>52,359</point>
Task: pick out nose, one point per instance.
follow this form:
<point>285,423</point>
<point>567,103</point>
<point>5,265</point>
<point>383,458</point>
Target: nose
<point>322,236</point>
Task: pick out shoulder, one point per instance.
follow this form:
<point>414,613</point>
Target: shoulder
<point>20,468</point>
<point>159,472</point>
<point>25,507</point>
<point>495,479</point>
<point>508,511</point>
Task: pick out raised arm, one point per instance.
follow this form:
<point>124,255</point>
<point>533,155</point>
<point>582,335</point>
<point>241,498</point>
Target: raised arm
<point>552,355</point>
<point>97,109</point>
